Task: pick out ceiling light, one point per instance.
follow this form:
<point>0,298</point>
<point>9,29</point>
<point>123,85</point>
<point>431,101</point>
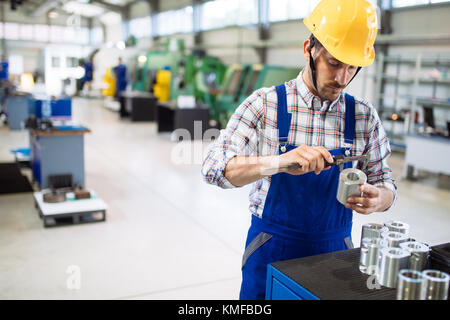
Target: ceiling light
<point>53,14</point>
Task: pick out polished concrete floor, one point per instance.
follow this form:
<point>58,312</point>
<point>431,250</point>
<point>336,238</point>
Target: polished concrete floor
<point>168,235</point>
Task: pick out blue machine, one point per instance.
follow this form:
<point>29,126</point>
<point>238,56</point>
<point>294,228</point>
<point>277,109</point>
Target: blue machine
<point>53,108</point>
<point>4,66</point>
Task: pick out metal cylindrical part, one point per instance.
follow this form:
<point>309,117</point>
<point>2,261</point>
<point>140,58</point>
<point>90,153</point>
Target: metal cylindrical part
<point>435,285</point>
<point>419,254</point>
<point>349,181</point>
<point>370,249</point>
<point>372,230</point>
<point>390,262</point>
<point>397,226</point>
<point>394,238</point>
<point>409,286</point>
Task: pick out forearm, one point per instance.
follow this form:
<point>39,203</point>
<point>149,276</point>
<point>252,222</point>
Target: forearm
<point>242,170</point>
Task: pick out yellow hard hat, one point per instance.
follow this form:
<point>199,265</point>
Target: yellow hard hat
<point>346,28</point>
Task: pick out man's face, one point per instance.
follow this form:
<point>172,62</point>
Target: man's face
<point>332,76</point>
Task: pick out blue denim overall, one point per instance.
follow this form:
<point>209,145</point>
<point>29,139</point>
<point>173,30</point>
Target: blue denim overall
<point>301,215</point>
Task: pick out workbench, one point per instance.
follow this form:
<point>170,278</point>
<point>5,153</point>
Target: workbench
<point>171,118</point>
<point>330,276</point>
<point>140,106</point>
<point>429,153</point>
<point>58,151</point>
<point>70,211</point>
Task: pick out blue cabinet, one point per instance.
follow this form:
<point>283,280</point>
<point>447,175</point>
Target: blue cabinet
<point>281,287</point>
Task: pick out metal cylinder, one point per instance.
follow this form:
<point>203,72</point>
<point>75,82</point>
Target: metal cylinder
<point>372,230</point>
<point>394,238</point>
<point>349,181</point>
<point>409,286</point>
<point>435,285</point>
<point>397,226</point>
<point>390,262</point>
<point>419,254</point>
<point>370,249</point>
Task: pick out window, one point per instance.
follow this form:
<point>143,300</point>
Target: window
<point>11,31</point>
<point>97,35</point>
<point>175,21</point>
<point>55,62</point>
<point>406,3</point>
<point>71,62</point>
<point>26,32</point>
<point>221,13</point>
<point>56,34</point>
<point>140,27</point>
<point>69,34</point>
<point>282,10</point>
<point>81,36</point>
<point>41,32</point>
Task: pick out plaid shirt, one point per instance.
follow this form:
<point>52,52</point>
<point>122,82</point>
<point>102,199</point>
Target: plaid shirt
<point>252,131</point>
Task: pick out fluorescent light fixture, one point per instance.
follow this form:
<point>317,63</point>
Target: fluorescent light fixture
<point>53,14</point>
<point>83,9</point>
<point>117,2</point>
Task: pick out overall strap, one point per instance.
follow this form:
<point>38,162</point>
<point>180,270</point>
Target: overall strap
<point>283,117</point>
<point>350,120</point>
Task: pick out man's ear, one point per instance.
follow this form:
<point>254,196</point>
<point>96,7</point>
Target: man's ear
<point>306,45</point>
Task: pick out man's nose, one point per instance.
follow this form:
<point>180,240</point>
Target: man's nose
<point>342,76</point>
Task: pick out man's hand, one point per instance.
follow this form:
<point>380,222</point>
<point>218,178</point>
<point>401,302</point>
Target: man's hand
<point>308,158</point>
<point>373,199</point>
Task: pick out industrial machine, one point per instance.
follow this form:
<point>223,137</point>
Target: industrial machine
<point>241,81</point>
<point>167,67</point>
<point>195,74</point>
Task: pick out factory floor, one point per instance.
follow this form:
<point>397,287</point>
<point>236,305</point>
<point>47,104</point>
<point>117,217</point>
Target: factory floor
<point>168,235</point>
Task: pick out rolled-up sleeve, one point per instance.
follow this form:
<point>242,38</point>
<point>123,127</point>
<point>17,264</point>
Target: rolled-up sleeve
<point>239,138</point>
<point>378,150</point>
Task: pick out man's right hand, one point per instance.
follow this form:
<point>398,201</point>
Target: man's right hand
<point>307,157</point>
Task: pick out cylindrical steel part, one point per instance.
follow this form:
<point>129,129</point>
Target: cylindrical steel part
<point>419,255</point>
<point>394,238</point>
<point>372,230</point>
<point>370,249</point>
<point>391,261</point>
<point>397,226</point>
<point>435,285</point>
<point>409,286</point>
<point>349,181</point>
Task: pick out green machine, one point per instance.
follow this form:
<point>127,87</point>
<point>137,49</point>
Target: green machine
<point>195,74</point>
<point>241,81</point>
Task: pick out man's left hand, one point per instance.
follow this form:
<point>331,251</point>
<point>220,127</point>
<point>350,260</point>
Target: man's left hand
<point>370,201</point>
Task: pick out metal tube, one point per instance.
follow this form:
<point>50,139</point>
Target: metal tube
<point>397,226</point>
<point>391,261</point>
<point>349,181</point>
<point>409,285</point>
<point>372,230</point>
<point>419,254</point>
<point>370,249</point>
<point>394,238</point>
<point>435,285</point>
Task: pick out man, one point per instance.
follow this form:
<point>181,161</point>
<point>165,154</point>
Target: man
<point>120,72</point>
<point>121,77</point>
<point>305,121</point>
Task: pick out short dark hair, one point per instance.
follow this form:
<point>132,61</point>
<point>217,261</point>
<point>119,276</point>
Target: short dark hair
<point>314,42</point>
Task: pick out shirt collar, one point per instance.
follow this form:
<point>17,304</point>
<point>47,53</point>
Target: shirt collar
<point>312,101</point>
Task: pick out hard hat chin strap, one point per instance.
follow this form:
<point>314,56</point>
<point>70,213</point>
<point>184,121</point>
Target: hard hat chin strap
<point>313,66</point>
